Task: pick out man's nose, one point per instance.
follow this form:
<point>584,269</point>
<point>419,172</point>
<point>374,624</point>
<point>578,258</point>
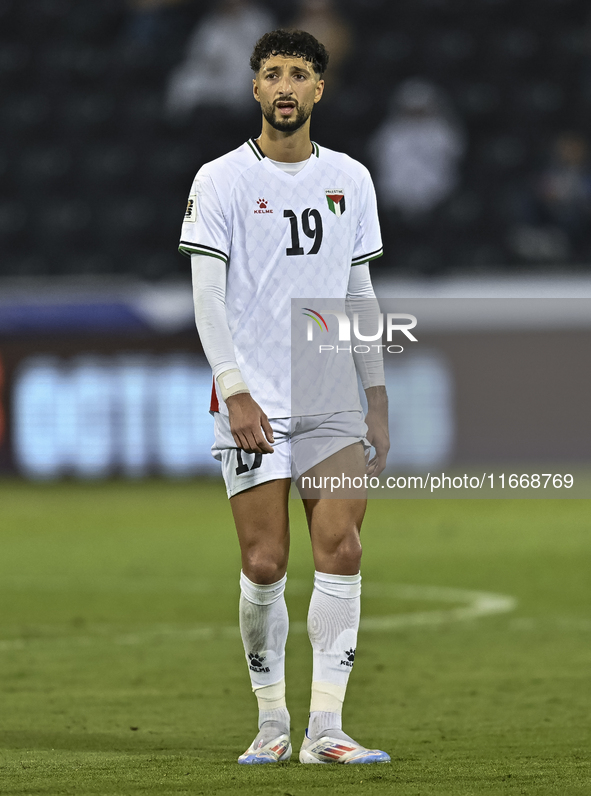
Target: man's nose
<point>285,86</point>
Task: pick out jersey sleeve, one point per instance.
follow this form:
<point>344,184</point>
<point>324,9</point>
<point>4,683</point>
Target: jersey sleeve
<point>205,227</point>
<point>368,239</point>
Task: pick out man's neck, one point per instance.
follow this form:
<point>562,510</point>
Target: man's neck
<point>285,147</point>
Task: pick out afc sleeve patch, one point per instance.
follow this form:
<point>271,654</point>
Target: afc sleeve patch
<point>191,211</point>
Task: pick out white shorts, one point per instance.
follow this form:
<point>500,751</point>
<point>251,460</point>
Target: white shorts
<point>300,443</point>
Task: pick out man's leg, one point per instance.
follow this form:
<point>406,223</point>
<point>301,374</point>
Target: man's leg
<point>262,523</point>
<point>333,617</point>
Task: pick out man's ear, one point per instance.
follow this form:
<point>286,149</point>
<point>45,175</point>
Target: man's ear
<point>319,91</point>
<point>255,89</point>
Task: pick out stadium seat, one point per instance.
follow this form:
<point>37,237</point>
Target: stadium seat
<point>462,210</point>
<point>86,113</point>
<point>110,166</point>
<point>64,219</point>
<point>391,47</point>
<point>173,163</point>
<point>139,67</point>
<point>15,61</point>
<point>450,45</point>
<point>504,151</point>
<point>478,257</point>
<point>90,21</point>
<point>541,97</point>
<point>477,99</point>
<point>76,63</point>
<point>13,219</point>
<point>160,263</point>
<point>86,260</point>
<point>24,114</point>
<point>142,110</point>
<point>517,44</point>
<point>131,217</point>
<point>43,12</point>
<point>30,263</point>
<point>44,165</point>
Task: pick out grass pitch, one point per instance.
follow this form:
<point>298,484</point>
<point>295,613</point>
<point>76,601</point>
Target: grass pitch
<point>121,670</point>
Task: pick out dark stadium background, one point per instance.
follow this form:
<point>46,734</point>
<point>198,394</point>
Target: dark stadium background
<point>94,177</point>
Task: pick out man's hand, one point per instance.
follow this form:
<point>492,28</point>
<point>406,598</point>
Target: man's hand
<point>377,428</point>
<point>247,424</point>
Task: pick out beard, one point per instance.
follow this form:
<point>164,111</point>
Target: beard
<point>287,125</point>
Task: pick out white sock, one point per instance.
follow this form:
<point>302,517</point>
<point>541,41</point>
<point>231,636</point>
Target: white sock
<point>333,622</point>
<point>263,625</point>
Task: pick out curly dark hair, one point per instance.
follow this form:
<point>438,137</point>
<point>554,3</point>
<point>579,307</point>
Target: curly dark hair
<point>290,42</point>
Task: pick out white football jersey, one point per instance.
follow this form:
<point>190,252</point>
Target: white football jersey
<point>281,237</point>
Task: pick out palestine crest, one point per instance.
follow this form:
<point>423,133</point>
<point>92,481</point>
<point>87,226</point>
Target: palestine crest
<point>336,202</point>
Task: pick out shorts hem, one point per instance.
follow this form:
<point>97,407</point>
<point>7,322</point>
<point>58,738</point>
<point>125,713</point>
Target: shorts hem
<point>347,442</point>
<point>256,481</point>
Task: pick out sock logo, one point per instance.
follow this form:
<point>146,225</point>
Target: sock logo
<point>255,662</point>
<point>350,657</point>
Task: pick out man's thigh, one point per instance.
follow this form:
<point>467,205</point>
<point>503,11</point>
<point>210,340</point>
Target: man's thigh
<point>341,476</point>
<point>262,522</point>
<point>258,488</point>
<point>335,515</point>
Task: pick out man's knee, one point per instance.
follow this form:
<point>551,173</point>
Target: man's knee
<point>349,551</point>
<point>344,552</point>
<point>264,567</point>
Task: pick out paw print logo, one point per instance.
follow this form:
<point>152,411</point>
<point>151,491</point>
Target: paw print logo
<point>262,203</point>
<point>350,655</point>
<point>256,659</point>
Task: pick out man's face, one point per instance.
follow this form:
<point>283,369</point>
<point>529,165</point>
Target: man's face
<point>287,89</point>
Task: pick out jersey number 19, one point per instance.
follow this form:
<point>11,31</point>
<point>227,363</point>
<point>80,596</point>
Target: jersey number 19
<point>314,231</point>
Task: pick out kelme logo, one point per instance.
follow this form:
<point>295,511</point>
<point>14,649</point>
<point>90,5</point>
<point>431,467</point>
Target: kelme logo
<point>263,206</point>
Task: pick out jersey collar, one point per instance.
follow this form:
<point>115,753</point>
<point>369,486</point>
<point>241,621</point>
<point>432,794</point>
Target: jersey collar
<point>258,152</point>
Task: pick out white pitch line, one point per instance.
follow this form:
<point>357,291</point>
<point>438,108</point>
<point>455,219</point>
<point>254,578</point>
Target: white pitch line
<point>472,605</point>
